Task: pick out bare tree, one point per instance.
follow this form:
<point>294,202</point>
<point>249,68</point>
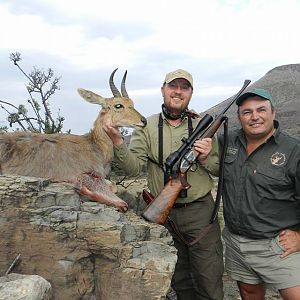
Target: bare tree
<point>41,86</point>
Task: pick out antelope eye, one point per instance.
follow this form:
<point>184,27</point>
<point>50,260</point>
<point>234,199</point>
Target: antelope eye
<point>118,106</point>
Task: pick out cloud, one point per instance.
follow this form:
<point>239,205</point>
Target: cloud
<point>221,42</point>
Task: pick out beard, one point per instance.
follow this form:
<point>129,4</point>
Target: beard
<point>172,112</point>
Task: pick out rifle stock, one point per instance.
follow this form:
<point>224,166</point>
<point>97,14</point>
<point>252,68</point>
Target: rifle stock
<point>158,210</point>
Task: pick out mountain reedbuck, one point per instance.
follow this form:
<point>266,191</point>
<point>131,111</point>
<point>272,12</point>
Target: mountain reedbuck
<point>80,159</point>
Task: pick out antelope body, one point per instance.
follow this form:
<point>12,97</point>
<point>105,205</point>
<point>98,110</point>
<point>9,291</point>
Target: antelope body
<point>67,157</point>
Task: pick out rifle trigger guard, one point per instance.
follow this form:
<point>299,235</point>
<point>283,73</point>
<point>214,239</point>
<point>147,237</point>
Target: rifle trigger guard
<point>194,167</point>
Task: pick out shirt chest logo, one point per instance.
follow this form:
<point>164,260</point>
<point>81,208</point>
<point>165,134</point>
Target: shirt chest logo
<point>278,159</point>
<point>231,150</point>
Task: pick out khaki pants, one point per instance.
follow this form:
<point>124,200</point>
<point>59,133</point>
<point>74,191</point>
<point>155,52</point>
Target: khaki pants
<point>255,261</point>
<point>199,269</point>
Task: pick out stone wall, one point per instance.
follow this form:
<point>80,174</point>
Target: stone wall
<point>86,250</point>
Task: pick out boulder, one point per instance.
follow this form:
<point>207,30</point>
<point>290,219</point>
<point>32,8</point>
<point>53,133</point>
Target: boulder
<point>24,287</point>
<point>84,249</point>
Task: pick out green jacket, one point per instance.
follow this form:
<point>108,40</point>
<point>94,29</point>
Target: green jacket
<point>144,144</point>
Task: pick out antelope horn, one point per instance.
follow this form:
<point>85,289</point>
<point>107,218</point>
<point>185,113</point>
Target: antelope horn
<point>123,88</point>
<point>113,88</point>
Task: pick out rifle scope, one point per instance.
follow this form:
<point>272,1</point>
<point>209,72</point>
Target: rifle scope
<point>187,143</point>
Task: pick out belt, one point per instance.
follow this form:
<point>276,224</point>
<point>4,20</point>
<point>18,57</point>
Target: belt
<point>181,205</point>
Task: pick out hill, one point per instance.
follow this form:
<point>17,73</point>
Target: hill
<point>283,82</point>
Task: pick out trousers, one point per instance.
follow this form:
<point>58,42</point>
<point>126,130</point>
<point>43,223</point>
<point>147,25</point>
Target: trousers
<point>199,268</point>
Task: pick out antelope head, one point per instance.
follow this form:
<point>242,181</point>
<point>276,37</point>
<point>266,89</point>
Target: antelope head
<point>119,108</point>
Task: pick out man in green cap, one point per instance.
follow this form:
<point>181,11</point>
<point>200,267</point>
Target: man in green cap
<point>261,199</point>
<point>199,268</point>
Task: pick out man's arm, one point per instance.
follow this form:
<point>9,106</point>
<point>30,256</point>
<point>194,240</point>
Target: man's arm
<point>290,239</point>
<point>209,154</point>
<point>130,159</point>
<point>133,158</point>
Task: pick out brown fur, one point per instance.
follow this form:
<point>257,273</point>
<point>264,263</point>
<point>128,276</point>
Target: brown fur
<point>65,157</point>
<point>61,157</point>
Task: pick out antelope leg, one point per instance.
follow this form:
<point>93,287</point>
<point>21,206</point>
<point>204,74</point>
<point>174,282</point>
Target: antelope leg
<point>96,189</point>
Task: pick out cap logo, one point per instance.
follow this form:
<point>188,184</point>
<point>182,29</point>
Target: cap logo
<point>278,159</point>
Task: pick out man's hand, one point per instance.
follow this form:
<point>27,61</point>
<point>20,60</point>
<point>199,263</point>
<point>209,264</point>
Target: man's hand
<point>290,240</point>
<point>112,132</point>
<point>203,147</point>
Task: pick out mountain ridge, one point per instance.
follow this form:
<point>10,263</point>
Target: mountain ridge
<point>283,82</point>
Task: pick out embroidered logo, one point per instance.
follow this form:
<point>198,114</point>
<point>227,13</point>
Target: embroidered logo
<point>231,150</point>
<point>278,159</point>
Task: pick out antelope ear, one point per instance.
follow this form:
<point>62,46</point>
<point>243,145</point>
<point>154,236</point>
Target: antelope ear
<point>91,97</point>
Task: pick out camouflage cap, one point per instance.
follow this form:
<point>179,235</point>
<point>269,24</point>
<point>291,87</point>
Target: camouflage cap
<point>179,74</point>
<point>252,93</point>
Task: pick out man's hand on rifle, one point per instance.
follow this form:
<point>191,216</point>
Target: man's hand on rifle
<point>113,132</point>
<point>203,147</point>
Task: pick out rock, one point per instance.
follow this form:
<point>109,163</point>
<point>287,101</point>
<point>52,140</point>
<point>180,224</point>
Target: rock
<point>86,250</point>
<point>24,287</point>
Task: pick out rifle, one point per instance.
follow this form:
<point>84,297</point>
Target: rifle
<point>158,209</point>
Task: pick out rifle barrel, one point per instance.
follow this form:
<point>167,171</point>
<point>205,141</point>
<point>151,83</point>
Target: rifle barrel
<point>246,83</point>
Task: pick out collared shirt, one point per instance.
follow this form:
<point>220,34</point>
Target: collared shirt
<point>144,143</point>
<point>261,193</point>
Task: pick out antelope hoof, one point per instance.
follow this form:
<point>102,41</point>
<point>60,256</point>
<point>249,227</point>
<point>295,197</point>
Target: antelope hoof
<point>121,205</point>
<point>104,199</point>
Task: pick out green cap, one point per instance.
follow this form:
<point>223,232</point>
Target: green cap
<point>254,92</point>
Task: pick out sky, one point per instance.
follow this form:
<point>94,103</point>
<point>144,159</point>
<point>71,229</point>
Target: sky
<point>220,42</point>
